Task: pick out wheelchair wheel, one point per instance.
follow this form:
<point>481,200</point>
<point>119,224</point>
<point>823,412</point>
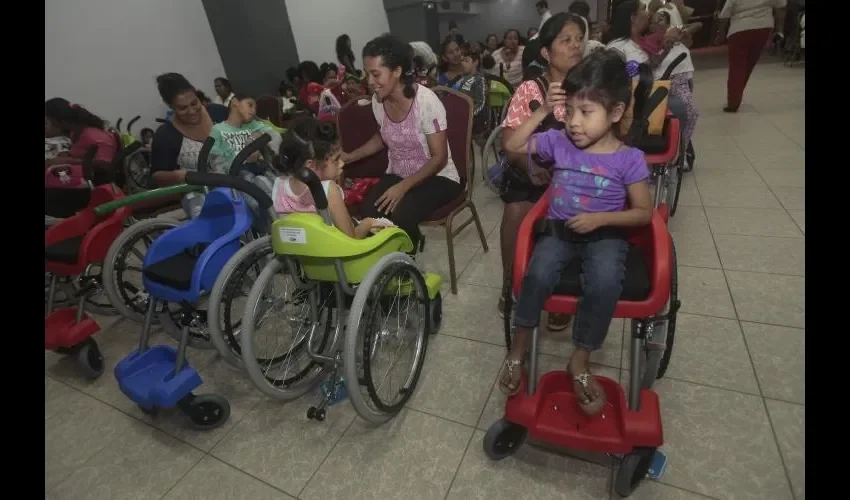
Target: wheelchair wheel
<point>137,171</point>
<point>281,314</point>
<point>503,439</point>
<point>172,316</point>
<point>671,318</point>
<point>633,470</point>
<point>122,268</point>
<point>390,310</point>
<point>97,301</point>
<point>489,155</point>
<point>227,299</point>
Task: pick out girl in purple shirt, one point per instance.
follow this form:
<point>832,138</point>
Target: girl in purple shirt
<point>598,189</point>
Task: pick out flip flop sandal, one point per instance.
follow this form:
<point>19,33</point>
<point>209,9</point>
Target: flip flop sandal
<point>589,406</point>
<point>513,367</point>
<point>562,321</point>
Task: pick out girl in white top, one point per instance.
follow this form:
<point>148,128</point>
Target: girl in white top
<point>315,144</point>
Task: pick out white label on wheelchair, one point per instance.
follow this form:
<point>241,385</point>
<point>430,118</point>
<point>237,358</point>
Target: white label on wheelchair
<point>293,235</point>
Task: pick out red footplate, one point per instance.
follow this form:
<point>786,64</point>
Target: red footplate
<point>552,415</point>
<point>61,329</point>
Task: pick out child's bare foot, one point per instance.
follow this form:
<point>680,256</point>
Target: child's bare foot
<point>590,394</point>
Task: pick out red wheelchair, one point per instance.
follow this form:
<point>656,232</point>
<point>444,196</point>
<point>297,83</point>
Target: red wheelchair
<point>72,248</point>
<point>629,424</point>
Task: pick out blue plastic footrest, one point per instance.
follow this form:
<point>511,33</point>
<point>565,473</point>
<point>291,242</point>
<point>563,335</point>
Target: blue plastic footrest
<point>149,380</point>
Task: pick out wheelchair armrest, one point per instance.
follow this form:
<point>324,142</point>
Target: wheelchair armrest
<point>242,220</point>
<point>97,241</point>
<point>71,227</point>
<point>673,132</point>
<point>660,261</point>
<point>525,240</point>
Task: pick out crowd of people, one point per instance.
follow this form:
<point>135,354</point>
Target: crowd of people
<point>581,74</point>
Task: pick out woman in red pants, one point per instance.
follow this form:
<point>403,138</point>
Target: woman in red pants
<point>750,23</point>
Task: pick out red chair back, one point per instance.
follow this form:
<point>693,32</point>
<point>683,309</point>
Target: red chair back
<point>459,121</point>
<point>357,125</point>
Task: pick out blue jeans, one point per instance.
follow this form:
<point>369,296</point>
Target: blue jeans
<point>603,269</point>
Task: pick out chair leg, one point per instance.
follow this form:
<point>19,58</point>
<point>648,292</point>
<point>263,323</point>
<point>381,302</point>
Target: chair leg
<point>478,227</point>
<point>451,246</point>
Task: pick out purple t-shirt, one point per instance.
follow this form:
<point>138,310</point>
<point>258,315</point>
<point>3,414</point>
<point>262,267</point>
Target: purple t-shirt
<point>587,182</point>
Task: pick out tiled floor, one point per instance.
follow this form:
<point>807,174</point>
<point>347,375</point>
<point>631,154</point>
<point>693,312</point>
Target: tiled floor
<point>733,402</point>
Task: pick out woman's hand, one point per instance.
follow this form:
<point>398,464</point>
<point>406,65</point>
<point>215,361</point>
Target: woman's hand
<point>345,157</point>
<point>556,96</point>
<point>586,222</point>
<point>390,199</point>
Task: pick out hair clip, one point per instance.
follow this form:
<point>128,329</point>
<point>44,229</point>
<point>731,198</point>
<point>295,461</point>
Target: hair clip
<point>632,68</point>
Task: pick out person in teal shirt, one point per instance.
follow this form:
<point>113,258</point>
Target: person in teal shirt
<point>232,135</point>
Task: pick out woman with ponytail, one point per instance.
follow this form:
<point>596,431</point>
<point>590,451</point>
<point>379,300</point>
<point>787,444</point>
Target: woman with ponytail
<point>421,176</point>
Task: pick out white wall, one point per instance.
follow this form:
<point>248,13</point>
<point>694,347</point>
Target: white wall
<point>105,54</point>
<point>317,23</point>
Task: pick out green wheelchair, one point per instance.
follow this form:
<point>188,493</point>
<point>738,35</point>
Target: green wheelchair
<point>349,317</point>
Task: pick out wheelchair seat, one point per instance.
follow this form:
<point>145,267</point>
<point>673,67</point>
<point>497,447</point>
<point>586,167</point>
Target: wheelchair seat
<point>84,238</point>
<point>185,261</point>
<point>315,246</point>
<point>176,271</point>
<point>66,251</point>
<point>636,283</point>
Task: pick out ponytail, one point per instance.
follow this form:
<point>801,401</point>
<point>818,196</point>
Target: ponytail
<point>407,79</point>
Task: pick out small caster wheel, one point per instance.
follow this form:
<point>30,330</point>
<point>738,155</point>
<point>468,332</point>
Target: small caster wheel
<point>503,439</point>
<point>208,411</point>
<point>151,412</point>
<point>435,314</point>
<point>311,413</point>
<point>320,415</point>
<point>89,359</point>
<point>633,470</point>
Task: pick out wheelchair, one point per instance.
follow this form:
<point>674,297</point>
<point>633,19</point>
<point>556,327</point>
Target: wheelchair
<point>73,249</point>
<point>179,268</point>
<point>316,277</point>
<point>123,267</point>
<point>630,424</point>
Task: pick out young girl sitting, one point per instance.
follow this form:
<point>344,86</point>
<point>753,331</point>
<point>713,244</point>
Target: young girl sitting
<point>315,144</point>
<point>599,188</point>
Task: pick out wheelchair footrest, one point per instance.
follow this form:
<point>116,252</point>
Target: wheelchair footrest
<point>62,330</point>
<point>552,415</point>
<point>148,378</point>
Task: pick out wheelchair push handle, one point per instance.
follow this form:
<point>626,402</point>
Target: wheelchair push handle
<point>314,184</point>
<point>229,181</point>
<point>131,123</point>
<point>204,155</point>
<point>256,145</point>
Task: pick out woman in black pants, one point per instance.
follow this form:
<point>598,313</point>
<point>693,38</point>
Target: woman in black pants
<point>421,176</point>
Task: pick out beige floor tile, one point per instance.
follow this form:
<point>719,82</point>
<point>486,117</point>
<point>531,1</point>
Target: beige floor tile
<point>762,254</point>
<point>413,456</point>
<point>779,357</point>
<point>212,479</point>
<point>789,424</point>
<point>769,298</point>
<point>704,291</point>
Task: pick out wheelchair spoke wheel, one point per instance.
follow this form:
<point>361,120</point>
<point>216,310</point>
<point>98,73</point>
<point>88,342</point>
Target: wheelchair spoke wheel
<point>387,337</point>
<point>281,316</point>
<point>489,158</point>
<point>229,294</point>
<point>97,301</point>
<point>122,268</point>
<point>174,315</point>
<point>671,319</point>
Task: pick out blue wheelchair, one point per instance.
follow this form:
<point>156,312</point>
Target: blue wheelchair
<point>180,267</point>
